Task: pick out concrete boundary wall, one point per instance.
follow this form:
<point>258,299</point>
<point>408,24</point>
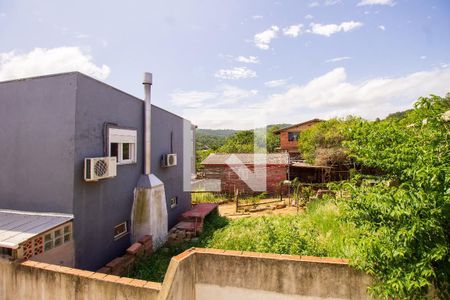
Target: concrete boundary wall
<point>219,274</point>
<point>194,274</point>
<point>35,280</point>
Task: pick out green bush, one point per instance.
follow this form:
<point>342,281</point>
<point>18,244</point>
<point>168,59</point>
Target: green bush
<point>404,215</point>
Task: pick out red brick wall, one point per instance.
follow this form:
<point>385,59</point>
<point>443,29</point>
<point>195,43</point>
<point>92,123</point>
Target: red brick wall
<point>230,180</point>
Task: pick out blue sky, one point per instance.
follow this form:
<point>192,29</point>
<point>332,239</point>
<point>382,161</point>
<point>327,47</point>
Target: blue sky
<point>287,60</point>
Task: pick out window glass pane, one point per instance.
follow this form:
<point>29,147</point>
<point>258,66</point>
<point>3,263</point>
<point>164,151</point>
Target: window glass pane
<point>126,151</point>
<point>173,202</point>
<point>58,241</point>
<point>66,229</point>
<point>293,136</point>
<point>66,238</point>
<point>48,246</point>
<point>6,251</point>
<point>114,150</point>
<point>120,230</point>
<point>48,238</point>
<point>57,233</point>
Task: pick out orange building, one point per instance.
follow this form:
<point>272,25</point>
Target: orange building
<point>289,136</point>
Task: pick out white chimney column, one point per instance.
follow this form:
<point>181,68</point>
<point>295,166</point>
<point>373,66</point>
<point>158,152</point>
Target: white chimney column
<point>148,80</point>
<point>149,211</point>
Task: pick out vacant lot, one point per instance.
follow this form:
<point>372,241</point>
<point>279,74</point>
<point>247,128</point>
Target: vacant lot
<point>316,230</point>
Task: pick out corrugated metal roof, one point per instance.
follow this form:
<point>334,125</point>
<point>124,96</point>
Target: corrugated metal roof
<point>299,164</point>
<point>17,227</point>
<point>247,159</point>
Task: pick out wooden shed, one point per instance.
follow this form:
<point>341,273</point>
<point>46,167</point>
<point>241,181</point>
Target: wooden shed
<point>237,171</point>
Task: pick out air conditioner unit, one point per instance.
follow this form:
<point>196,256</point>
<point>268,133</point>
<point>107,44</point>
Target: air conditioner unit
<point>100,168</point>
<point>169,160</point>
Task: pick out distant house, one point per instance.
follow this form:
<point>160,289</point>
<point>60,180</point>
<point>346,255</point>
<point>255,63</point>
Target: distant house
<point>236,171</point>
<point>289,136</point>
<point>56,133</point>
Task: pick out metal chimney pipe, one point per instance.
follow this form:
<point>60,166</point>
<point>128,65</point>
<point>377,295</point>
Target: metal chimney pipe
<point>148,80</point>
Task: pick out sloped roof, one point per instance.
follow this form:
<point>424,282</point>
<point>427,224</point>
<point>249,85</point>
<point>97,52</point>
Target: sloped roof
<point>247,159</point>
<point>295,125</point>
<point>17,227</point>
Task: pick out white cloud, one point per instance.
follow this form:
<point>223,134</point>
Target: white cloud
<point>248,59</point>
<point>331,2</point>
<point>41,61</point>
<point>2,14</point>
<point>333,95</point>
<point>235,73</point>
<point>276,83</point>
<point>221,96</point>
<point>257,17</point>
<point>325,2</point>
<point>376,2</point>
<point>192,98</point>
<point>293,30</point>
<point>329,29</point>
<point>423,57</point>
<point>381,27</point>
<point>262,40</point>
<point>326,96</point>
<point>308,17</point>
<point>337,59</point>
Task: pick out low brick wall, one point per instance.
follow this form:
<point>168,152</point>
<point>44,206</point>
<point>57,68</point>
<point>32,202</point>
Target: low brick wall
<point>124,264</point>
<point>41,281</point>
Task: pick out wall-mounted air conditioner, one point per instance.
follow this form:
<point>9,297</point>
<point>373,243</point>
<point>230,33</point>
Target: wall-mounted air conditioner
<point>100,168</point>
<point>169,160</point>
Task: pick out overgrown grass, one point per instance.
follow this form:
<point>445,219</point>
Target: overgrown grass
<point>206,197</point>
<point>154,268</point>
<point>319,231</point>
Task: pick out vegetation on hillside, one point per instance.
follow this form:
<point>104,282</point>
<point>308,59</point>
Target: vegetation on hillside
<point>322,144</point>
<point>318,231</point>
<point>238,142</point>
<point>394,226</point>
<point>404,214</point>
<point>154,267</point>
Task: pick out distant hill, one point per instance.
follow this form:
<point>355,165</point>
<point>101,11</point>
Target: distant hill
<point>213,139</point>
<point>398,115</point>
<point>215,132</point>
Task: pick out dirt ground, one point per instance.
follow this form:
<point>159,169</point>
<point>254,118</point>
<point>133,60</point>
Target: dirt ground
<point>229,209</point>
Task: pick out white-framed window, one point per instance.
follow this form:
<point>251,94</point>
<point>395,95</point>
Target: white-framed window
<point>173,202</point>
<point>122,144</point>
<point>120,230</point>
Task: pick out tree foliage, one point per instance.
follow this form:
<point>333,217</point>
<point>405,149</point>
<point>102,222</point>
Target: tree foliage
<point>244,141</point>
<point>322,144</point>
<point>405,215</point>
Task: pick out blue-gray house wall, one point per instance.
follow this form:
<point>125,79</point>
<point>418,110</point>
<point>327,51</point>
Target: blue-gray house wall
<point>37,127</point>
<point>83,107</point>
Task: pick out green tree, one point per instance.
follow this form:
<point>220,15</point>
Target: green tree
<point>322,144</point>
<point>405,214</point>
